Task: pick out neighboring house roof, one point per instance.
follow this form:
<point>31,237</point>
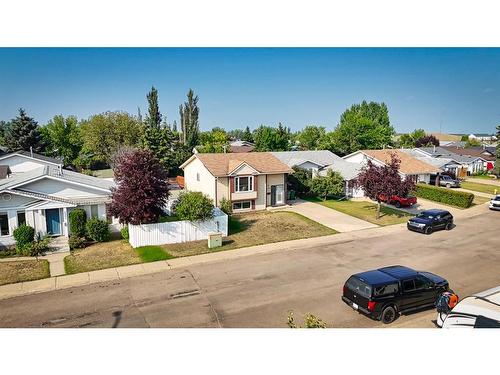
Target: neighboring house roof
<point>437,162</point>
<point>439,152</point>
<point>349,171</point>
<point>447,137</point>
<point>321,158</point>
<point>4,171</point>
<point>409,164</point>
<point>220,165</point>
<point>57,173</point>
<point>472,151</point>
<point>239,146</point>
<point>33,155</point>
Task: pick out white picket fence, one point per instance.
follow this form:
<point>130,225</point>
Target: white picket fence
<point>177,231</point>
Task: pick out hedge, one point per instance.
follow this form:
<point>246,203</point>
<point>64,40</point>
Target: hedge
<point>444,195</point>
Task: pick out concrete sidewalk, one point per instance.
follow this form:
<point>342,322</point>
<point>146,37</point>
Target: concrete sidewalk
<point>331,218</point>
<point>119,273</point>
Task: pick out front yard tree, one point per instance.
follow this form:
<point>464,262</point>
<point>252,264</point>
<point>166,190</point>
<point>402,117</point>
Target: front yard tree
<point>194,206</point>
<point>142,188</point>
<point>23,133</point>
<point>384,180</point>
<point>330,185</point>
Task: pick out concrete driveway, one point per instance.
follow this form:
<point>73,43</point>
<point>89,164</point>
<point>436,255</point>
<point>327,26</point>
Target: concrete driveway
<point>259,290</point>
<point>328,217</point>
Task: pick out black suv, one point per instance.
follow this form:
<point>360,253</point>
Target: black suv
<point>383,293</point>
<point>430,220</point>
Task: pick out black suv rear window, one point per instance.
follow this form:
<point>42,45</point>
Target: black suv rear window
<point>385,289</point>
<point>358,286</point>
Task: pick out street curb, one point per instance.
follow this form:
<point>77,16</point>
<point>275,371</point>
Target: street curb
<point>141,269</point>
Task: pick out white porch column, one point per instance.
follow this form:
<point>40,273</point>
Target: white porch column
<point>12,217</point>
<point>42,227</point>
<point>65,229</point>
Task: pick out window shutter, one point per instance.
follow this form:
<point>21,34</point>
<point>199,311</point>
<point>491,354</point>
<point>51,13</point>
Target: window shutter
<point>253,204</point>
<point>231,183</point>
<point>255,183</point>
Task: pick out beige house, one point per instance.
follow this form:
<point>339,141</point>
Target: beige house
<point>251,181</point>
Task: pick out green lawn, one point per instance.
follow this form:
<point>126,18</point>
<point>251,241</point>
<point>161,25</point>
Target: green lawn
<point>104,173</point>
<point>244,230</point>
<point>23,270</point>
<point>366,211</point>
<point>256,228</point>
<point>482,188</point>
<point>152,253</point>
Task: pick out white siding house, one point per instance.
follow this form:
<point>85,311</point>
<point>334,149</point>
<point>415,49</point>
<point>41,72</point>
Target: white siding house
<point>40,193</point>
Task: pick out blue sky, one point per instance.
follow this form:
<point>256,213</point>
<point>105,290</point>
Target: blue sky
<point>457,89</point>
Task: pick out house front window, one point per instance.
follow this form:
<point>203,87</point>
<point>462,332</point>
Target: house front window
<point>4,224</point>
<point>93,211</point>
<point>243,205</point>
<point>243,183</point>
<point>21,218</point>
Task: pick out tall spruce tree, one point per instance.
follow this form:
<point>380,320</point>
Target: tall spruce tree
<point>247,135</point>
<point>153,120</point>
<point>190,127</point>
<point>23,132</point>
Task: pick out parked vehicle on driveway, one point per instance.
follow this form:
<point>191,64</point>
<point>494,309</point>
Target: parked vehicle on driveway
<point>495,203</point>
<point>384,293</point>
<point>430,220</point>
<point>481,310</point>
<point>399,201</point>
<point>444,180</point>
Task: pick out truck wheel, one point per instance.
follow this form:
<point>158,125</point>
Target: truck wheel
<point>428,230</point>
<point>398,204</point>
<point>448,226</point>
<point>388,315</point>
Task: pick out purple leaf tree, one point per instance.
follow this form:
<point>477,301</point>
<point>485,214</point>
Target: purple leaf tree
<point>384,180</point>
<point>142,188</point>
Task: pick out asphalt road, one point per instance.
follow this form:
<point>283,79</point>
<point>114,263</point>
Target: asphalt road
<point>259,290</point>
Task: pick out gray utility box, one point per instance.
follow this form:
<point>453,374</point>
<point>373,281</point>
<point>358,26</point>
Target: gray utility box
<point>214,239</point>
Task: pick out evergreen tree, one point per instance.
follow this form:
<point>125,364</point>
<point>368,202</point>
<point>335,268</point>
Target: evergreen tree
<point>247,135</point>
<point>23,133</point>
<point>190,127</point>
<point>154,116</point>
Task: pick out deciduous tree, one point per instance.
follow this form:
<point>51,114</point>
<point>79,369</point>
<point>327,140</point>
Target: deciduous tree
<point>310,137</point>
<point>363,126</point>
<point>268,138</point>
<point>427,141</point>
<point>142,188</point>
<point>330,185</point>
<point>408,140</point>
<point>62,138</point>
<point>384,180</point>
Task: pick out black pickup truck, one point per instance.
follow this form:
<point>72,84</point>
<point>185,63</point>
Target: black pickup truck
<point>384,293</point>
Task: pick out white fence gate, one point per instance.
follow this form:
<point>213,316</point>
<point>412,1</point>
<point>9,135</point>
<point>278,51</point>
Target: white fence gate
<point>177,231</point>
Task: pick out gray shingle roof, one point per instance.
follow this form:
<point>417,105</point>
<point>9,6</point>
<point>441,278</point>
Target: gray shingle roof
<point>349,171</point>
<point>34,155</point>
<point>52,171</point>
<point>440,152</point>
<point>320,157</point>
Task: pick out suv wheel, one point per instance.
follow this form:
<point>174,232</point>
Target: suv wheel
<point>388,315</point>
<point>428,230</point>
<point>448,186</point>
<point>449,225</point>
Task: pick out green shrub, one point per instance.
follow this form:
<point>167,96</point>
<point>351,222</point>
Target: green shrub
<point>194,206</point>
<point>442,195</point>
<point>124,233</point>
<point>77,222</point>
<point>226,206</point>
<point>76,242</point>
<point>39,245</point>
<point>24,236</point>
<point>98,230</point>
